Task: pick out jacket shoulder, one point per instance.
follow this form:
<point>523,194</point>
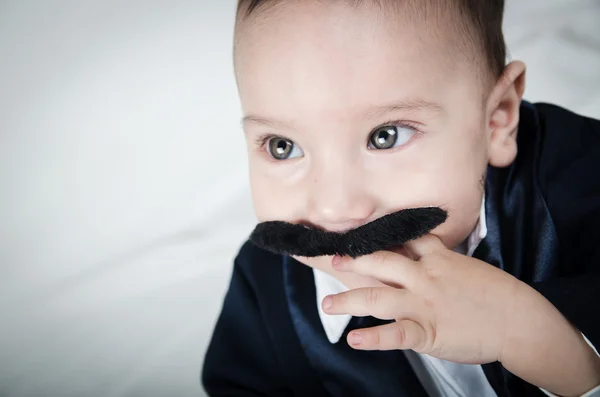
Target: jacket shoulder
<point>568,171</point>
<point>259,267</point>
<point>570,144</point>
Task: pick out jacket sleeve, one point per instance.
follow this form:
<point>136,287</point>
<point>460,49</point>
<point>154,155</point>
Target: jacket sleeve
<point>240,360</point>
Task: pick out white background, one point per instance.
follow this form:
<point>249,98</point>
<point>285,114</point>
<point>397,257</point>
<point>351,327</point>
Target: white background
<point>123,181</point>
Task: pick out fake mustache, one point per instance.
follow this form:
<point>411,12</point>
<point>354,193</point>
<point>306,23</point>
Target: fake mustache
<point>383,233</point>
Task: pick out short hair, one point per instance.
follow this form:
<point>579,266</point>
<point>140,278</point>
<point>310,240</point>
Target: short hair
<point>482,23</point>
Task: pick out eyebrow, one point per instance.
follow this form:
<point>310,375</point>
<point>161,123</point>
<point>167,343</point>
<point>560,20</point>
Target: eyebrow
<point>262,121</point>
<point>411,105</point>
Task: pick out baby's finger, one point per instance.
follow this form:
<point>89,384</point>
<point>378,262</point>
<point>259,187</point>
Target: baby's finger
<point>403,334</point>
<point>424,246</point>
<point>382,302</point>
<point>388,267</point>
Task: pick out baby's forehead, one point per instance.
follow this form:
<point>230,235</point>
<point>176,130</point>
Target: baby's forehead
<point>440,25</point>
<point>312,39</point>
<point>340,62</point>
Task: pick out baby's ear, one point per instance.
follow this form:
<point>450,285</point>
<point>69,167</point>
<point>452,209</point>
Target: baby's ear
<point>503,115</point>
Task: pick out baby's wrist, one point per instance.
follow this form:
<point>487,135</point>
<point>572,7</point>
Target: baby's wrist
<point>544,349</point>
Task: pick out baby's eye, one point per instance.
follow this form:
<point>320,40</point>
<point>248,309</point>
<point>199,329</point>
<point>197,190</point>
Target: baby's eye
<point>390,136</point>
<point>283,149</point>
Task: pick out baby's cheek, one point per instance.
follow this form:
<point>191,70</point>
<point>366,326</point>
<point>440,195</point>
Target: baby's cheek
<point>268,204</point>
<point>273,200</point>
<point>463,214</point>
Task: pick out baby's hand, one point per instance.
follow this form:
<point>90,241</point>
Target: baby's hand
<point>445,304</point>
<point>461,309</point>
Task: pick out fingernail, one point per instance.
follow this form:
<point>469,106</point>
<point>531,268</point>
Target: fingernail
<point>355,338</point>
<point>327,302</point>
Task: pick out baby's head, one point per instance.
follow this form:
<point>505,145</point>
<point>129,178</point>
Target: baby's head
<point>356,109</point>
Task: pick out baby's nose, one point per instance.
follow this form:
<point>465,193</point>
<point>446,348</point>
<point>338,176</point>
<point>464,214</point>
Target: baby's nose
<point>339,204</point>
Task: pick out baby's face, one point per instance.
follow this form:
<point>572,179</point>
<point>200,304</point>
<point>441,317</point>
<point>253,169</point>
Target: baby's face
<point>351,116</point>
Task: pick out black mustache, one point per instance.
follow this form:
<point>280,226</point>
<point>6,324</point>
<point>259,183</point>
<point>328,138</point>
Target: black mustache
<point>383,233</point>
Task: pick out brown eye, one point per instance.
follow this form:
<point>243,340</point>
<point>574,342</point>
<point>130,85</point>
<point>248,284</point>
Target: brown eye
<point>384,137</point>
<point>283,149</point>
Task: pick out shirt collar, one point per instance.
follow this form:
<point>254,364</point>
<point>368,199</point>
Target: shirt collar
<point>325,284</point>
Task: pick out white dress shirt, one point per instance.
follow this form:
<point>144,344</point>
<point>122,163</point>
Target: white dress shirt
<point>440,378</point>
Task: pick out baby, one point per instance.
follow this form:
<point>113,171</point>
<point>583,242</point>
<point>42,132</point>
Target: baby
<point>486,282</point>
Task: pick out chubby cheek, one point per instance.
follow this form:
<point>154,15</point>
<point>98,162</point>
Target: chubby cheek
<point>278,188</point>
<point>449,176</point>
<point>462,201</point>
<point>271,199</point>
<point>267,203</point>
<point>459,187</point>
<point>459,225</point>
